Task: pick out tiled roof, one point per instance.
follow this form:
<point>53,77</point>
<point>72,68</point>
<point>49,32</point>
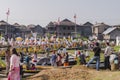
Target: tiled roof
<point>109,30</point>
<point>64,22</point>
<point>100,25</point>
<point>16,24</point>
<point>88,24</point>
<point>67,22</point>
<point>51,23</point>
<point>3,23</point>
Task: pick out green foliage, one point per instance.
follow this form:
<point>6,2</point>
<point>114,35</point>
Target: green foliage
<point>84,38</point>
<point>91,55</point>
<point>2,64</point>
<point>117,48</point>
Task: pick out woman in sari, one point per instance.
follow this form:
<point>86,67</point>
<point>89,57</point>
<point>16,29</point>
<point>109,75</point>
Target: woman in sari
<point>14,73</point>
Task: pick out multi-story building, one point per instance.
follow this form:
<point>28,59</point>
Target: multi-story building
<point>64,28</point>
<point>67,28</point>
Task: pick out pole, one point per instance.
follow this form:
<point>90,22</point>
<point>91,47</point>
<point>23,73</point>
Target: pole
<point>75,26</point>
<point>58,27</point>
<point>6,31</point>
<point>6,25</point>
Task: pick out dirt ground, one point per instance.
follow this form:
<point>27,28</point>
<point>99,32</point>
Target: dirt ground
<point>75,73</point>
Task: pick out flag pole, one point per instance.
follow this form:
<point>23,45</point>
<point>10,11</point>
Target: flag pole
<point>75,26</point>
<point>7,14</point>
<point>6,31</point>
<point>58,27</point>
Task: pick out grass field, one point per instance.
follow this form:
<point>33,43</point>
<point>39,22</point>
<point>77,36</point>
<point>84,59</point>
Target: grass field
<point>91,54</point>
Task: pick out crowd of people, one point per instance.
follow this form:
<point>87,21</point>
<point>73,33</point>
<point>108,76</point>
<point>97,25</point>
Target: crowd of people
<point>60,57</point>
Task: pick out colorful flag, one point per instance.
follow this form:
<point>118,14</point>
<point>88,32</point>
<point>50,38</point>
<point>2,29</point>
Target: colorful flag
<point>8,12</point>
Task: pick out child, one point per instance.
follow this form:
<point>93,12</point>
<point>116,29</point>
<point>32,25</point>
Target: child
<point>87,55</point>
<point>82,58</point>
<point>76,53</point>
<point>66,62</point>
<point>33,67</point>
<point>78,59</point>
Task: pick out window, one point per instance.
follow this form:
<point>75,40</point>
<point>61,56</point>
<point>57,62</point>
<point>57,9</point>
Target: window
<point>68,28</point>
<point>64,28</point>
<point>68,33</point>
<point>72,28</point>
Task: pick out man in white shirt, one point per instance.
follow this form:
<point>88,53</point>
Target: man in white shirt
<point>107,53</point>
<point>76,53</point>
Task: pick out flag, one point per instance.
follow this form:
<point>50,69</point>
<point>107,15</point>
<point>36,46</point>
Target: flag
<point>75,16</point>
<point>8,12</point>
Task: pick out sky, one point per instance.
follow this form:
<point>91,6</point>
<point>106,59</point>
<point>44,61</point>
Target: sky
<point>43,11</point>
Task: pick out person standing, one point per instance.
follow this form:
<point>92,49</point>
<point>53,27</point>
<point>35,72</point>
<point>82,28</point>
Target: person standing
<point>47,50</point>
<point>34,56</point>
<point>107,53</point>
<point>82,58</point>
<point>14,73</point>
<point>76,53</point>
<point>58,60</point>
<point>53,59</point>
<point>21,57</point>
<point>113,57</point>
<point>96,57</point>
<point>66,62</point>
<point>27,60</point>
<point>59,50</point>
<point>64,50</point>
<point>7,59</point>
<point>21,64</point>
<point>87,55</point>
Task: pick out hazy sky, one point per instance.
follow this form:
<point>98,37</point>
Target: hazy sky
<point>43,11</point>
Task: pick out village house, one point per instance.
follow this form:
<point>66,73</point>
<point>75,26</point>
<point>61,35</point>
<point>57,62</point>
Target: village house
<point>85,30</point>
<point>21,30</point>
<point>111,33</point>
<point>61,29</point>
<point>38,29</point>
<point>98,29</point>
<point>16,30</point>
<point>6,29</point>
